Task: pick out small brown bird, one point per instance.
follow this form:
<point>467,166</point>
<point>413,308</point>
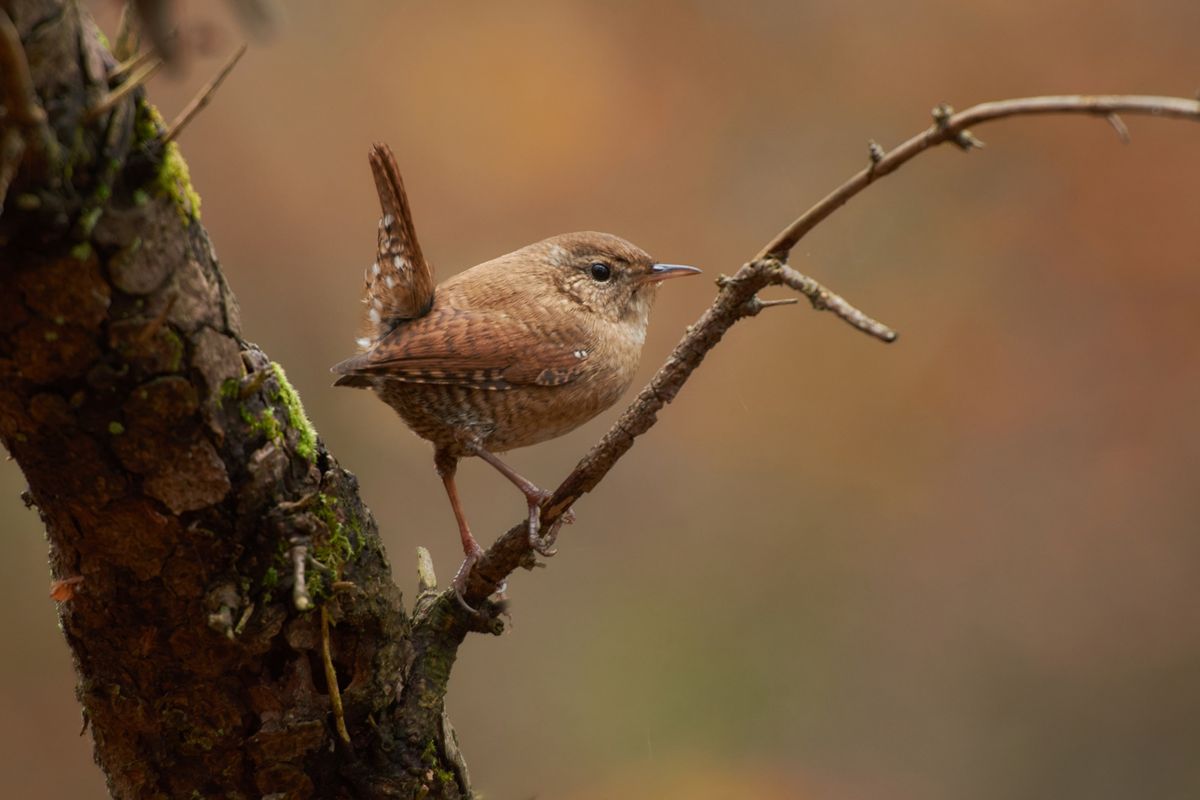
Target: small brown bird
<point>509,353</point>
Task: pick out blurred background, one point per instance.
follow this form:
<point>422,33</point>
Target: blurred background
<point>963,565</point>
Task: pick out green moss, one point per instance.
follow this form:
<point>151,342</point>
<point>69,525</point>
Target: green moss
<point>268,426</point>
<point>429,758</point>
<point>264,424</point>
<point>82,251</point>
<point>93,209</point>
<point>283,394</point>
<point>176,345</point>
<point>356,525</point>
<point>316,589</point>
<point>306,445</point>
<point>116,428</point>
<point>175,181</point>
<point>280,565</point>
<point>140,197</point>
<point>78,155</point>
<point>148,124</point>
<point>338,549</point>
<point>333,550</point>
<point>87,222</point>
<point>173,178</point>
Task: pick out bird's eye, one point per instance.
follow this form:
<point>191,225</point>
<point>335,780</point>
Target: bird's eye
<point>600,272</point>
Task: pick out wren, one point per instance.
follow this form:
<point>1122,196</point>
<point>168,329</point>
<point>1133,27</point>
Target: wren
<point>509,353</point>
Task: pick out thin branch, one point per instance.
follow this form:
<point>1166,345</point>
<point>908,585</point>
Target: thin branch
<point>20,99</point>
<point>953,128</point>
<point>130,64</point>
<point>301,599</point>
<point>824,300</point>
<point>1119,126</point>
<point>733,303</point>
<point>136,79</point>
<point>30,133</point>
<point>331,679</point>
<point>756,305</point>
<point>737,295</point>
<point>129,36</point>
<point>203,97</point>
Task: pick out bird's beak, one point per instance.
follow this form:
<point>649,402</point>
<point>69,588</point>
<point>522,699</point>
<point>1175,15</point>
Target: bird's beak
<point>660,272</point>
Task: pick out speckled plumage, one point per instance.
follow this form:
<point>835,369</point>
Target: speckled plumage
<point>512,352</point>
<point>509,353</point>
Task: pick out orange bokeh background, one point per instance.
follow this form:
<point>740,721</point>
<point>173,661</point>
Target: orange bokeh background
<point>963,565</point>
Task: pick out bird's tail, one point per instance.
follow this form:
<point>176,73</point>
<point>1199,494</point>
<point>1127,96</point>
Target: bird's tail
<point>399,284</point>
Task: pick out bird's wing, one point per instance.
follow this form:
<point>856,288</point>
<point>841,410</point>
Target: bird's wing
<point>485,349</point>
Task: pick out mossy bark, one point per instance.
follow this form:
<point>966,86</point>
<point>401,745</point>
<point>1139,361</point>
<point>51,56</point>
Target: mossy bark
<point>177,474</point>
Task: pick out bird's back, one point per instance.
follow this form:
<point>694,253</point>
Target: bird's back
<point>470,367</point>
<point>498,353</point>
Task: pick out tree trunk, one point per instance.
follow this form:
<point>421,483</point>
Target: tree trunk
<point>179,478</point>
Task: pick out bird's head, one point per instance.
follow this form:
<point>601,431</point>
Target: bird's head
<point>604,274</point>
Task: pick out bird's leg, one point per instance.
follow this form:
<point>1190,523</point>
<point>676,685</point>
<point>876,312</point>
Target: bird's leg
<point>447,465</point>
<point>534,497</point>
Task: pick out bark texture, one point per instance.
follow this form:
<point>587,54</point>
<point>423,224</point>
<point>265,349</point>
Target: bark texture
<point>178,476</point>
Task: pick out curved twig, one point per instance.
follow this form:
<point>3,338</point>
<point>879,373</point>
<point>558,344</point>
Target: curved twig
<point>204,96</point>
<point>951,127</point>
<point>736,300</point>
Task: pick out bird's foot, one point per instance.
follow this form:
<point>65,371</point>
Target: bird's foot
<point>459,584</point>
<point>543,544</point>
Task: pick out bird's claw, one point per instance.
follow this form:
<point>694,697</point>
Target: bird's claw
<point>459,584</point>
<point>541,544</point>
